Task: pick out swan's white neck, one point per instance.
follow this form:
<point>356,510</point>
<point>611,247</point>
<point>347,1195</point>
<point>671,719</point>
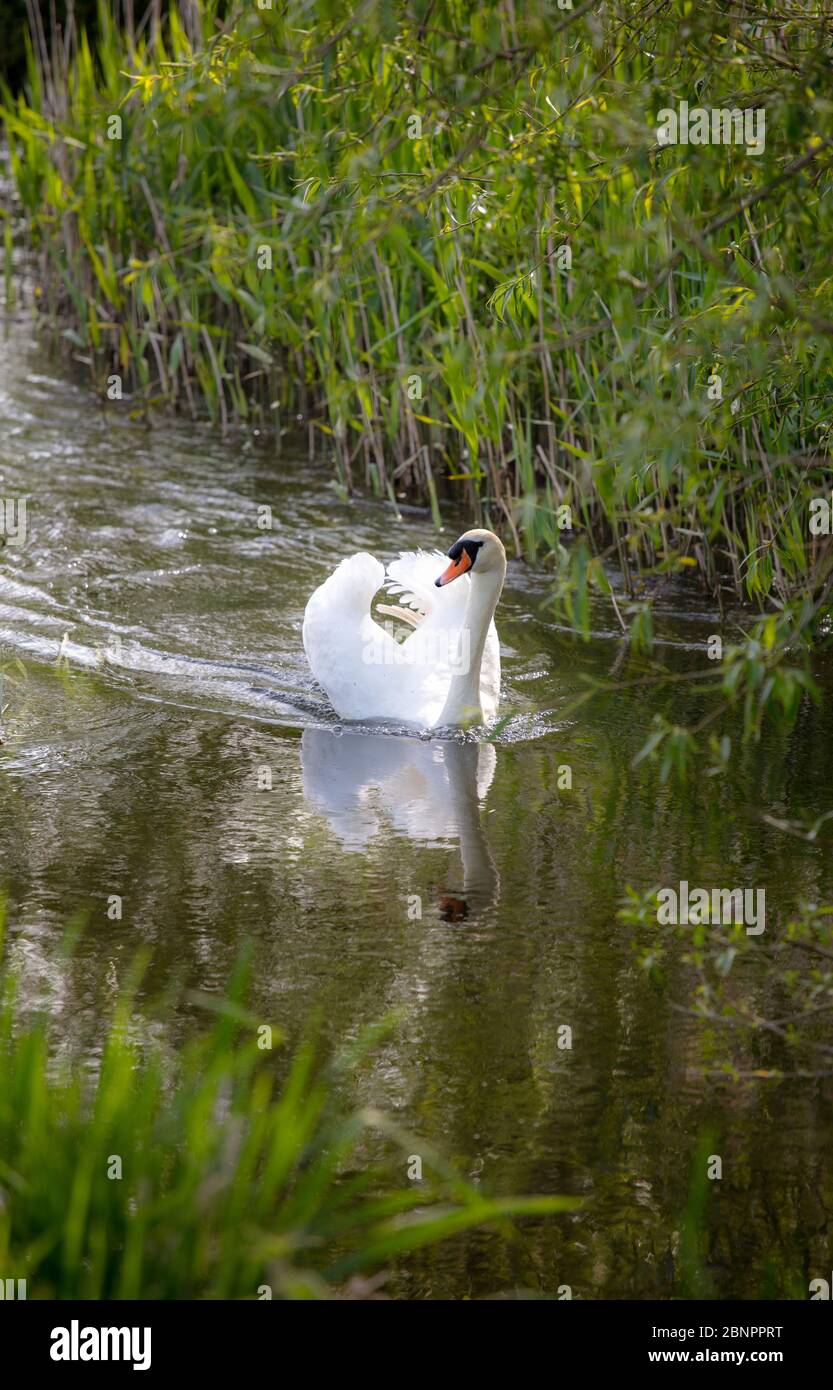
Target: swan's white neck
<point>462,705</point>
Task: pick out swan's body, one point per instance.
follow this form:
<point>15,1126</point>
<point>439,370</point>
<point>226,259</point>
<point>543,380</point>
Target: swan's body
<point>447,671</point>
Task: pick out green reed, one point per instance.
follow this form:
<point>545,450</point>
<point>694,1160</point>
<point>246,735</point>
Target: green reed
<point>451,243</point>
<point>218,1173</point>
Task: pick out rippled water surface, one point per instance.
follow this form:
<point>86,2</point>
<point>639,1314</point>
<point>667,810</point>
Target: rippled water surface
<point>154,679</point>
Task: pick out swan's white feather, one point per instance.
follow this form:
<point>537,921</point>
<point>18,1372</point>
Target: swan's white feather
<point>365,672</point>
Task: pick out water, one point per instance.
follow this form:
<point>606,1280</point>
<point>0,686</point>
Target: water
<point>150,636</point>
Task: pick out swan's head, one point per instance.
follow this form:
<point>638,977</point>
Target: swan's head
<point>479,551</point>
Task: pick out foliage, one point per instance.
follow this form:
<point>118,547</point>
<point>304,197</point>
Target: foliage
<point>417,171</point>
<point>229,1180</point>
<point>763,1002</point>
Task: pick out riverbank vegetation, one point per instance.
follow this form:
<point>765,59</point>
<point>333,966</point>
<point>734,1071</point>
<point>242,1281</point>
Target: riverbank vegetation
<point>217,1173</point>
<point>454,244</point>
<point>762,1003</point>
<point>456,251</point>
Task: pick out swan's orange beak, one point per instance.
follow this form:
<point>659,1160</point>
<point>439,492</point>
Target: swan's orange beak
<point>455,569</point>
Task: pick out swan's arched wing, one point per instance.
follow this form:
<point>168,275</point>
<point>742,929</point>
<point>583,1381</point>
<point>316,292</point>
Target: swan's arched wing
<point>344,645</point>
<point>412,577</point>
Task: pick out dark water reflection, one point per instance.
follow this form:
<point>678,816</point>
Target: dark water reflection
<point>163,741</point>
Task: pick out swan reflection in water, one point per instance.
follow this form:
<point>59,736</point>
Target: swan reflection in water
<point>367,785</point>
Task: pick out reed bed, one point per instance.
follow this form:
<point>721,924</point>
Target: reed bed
<point>222,1172</point>
<point>447,244</point>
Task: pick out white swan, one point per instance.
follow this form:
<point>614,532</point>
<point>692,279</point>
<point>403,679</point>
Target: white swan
<point>447,671</point>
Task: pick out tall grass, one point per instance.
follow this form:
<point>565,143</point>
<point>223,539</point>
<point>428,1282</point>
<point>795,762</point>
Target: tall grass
<point>449,243</point>
<point>204,1176</point>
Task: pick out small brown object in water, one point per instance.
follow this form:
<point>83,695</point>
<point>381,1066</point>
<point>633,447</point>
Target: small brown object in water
<point>453,909</point>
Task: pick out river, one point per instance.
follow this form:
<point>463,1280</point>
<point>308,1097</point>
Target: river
<point>167,756</point>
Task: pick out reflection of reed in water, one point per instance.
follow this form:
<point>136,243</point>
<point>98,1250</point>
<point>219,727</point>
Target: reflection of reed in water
<point>369,784</point>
